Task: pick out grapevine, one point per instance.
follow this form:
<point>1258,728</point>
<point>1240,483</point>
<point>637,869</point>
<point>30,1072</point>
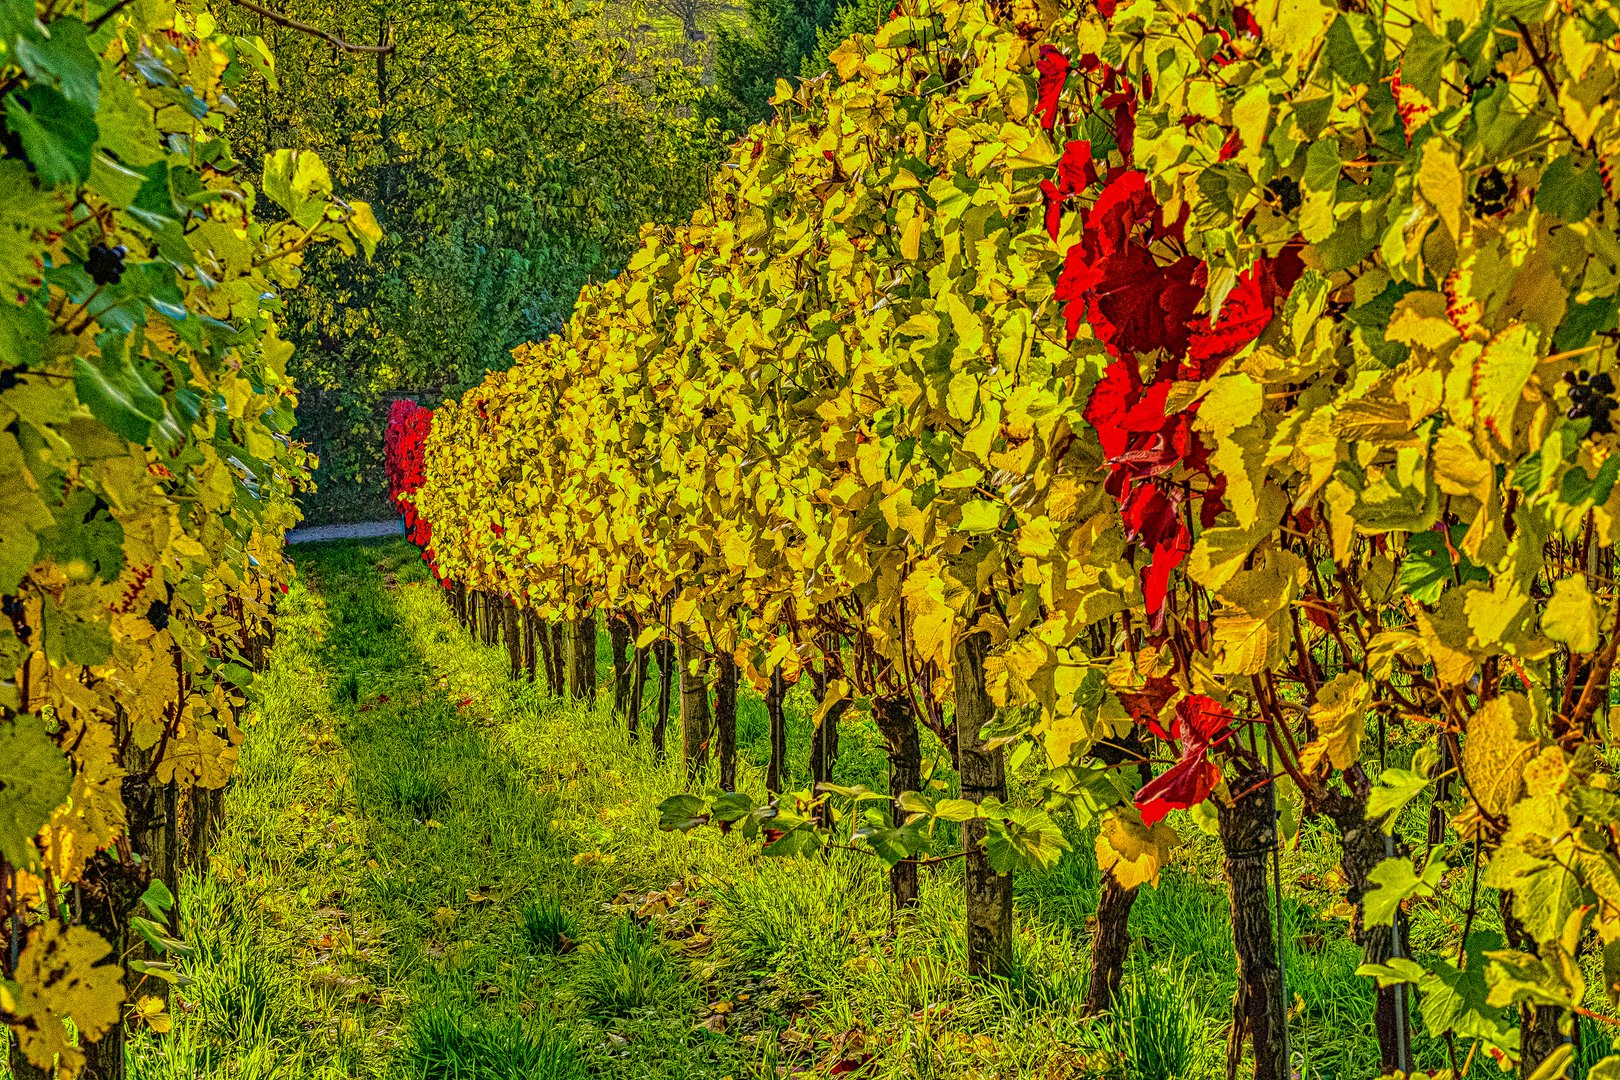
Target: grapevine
<point>149,477</point>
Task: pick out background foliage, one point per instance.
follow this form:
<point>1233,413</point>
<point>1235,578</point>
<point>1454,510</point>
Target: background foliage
<point>511,150</point>
<point>781,39</point>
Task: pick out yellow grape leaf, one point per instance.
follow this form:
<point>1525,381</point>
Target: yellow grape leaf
<point>1061,734</point>
<point>156,688</point>
<point>1499,615</point>
<point>1220,552</point>
<point>911,237</point>
<point>1496,749</point>
<point>1444,634</point>
<point>1245,644</point>
<point>155,1012</point>
<point>1442,184</point>
<point>363,225</point>
<point>1571,616</point>
<point>1132,852</point>
<point>97,799</point>
<point>1459,467</point>
<point>1500,372</point>
<point>196,758</point>
<point>1231,403</point>
<point>61,976</point>
<point>93,818</point>
<point>1340,716</point>
<point>837,690</point>
<point>1420,319</point>
<point>1250,637</point>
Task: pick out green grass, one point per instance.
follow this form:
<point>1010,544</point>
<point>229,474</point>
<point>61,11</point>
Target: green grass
<point>429,872</point>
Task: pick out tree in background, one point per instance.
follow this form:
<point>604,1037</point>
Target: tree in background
<point>781,34</point>
<point>689,13</point>
<point>511,151</point>
<point>785,38</point>
<point>854,17</point>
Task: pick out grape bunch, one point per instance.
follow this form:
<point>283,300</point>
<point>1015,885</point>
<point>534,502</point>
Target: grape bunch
<point>106,264</point>
<point>1592,396</point>
<point>1491,193</point>
<point>1285,189</point>
<point>158,615</point>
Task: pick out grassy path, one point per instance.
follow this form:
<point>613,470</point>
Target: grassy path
<point>388,895</point>
<point>429,872</point>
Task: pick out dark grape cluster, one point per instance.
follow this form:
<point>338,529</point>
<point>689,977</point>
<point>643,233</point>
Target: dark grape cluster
<point>158,615</point>
<point>1285,189</point>
<point>1593,396</point>
<point>106,264</point>
<point>1491,193</point>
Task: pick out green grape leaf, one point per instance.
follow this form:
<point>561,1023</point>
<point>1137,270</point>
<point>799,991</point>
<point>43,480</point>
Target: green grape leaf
<point>57,134</point>
<point>1423,59</point>
<point>1427,567</point>
<point>802,839</point>
<point>1456,1000</point>
<point>1395,788</point>
<point>729,807</point>
<point>22,514</point>
<point>1023,838</point>
<point>299,184</point>
<point>16,17</point>
<point>1396,882</point>
<point>27,214</point>
<point>1352,42</point>
<point>682,812</point>
<point>157,899</point>
<point>85,541</point>
<point>70,639</point>
<point>23,329</point>
<point>124,122</point>
<point>123,401</point>
<point>35,779</point>
<point>62,55</point>
<point>235,674</point>
<point>1569,191</point>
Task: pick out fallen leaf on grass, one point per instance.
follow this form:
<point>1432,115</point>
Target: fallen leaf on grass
<point>155,1013</point>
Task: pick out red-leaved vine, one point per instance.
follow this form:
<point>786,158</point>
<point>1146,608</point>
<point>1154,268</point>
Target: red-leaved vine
<point>408,427</point>
<point>1129,277</point>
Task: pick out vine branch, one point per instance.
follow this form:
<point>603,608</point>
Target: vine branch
<point>314,31</point>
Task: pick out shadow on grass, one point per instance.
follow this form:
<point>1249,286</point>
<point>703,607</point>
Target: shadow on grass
<point>432,872</point>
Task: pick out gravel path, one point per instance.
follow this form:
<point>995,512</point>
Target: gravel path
<point>359,530</point>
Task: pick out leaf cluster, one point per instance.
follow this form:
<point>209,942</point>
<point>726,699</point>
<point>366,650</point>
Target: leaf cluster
<point>145,460</point>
